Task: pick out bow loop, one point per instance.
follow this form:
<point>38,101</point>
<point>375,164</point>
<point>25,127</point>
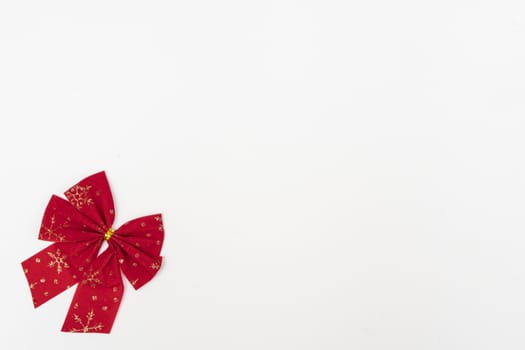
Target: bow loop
<point>137,246</point>
<point>63,223</point>
<point>92,197</point>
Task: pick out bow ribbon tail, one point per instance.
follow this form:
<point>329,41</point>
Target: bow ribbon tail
<point>97,297</point>
<point>55,268</point>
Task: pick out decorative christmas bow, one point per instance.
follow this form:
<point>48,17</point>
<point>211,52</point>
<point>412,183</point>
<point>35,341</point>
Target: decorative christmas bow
<point>78,227</point>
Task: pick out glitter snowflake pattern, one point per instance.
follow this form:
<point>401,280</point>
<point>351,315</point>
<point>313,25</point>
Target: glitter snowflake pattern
<point>78,196</point>
<point>50,232</point>
<point>58,260</point>
<point>86,327</point>
<point>155,266</point>
<point>91,278</point>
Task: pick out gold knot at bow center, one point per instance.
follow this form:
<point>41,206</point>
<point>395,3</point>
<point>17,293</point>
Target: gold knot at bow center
<point>108,234</point>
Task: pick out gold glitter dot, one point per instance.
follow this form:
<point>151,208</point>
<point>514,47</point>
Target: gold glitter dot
<point>37,260</point>
<point>42,280</point>
<point>55,281</point>
<point>104,308</point>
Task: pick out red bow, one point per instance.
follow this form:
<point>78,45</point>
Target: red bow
<point>78,227</point>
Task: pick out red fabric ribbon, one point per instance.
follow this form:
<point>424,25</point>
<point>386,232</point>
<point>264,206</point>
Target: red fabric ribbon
<point>79,226</point>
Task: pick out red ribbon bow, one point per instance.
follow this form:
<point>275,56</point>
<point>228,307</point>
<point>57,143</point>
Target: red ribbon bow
<point>78,227</point>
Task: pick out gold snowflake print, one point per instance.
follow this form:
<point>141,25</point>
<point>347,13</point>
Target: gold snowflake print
<point>78,196</point>
<point>50,232</point>
<point>155,266</point>
<point>91,278</point>
<point>86,327</point>
<point>59,260</point>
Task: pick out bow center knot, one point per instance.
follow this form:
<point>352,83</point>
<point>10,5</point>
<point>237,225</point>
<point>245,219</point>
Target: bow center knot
<point>108,234</point>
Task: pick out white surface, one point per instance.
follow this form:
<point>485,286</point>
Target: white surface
<point>333,174</point>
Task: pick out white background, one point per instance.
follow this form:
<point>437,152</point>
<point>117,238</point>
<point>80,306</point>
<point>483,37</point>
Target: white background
<point>332,174</point>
